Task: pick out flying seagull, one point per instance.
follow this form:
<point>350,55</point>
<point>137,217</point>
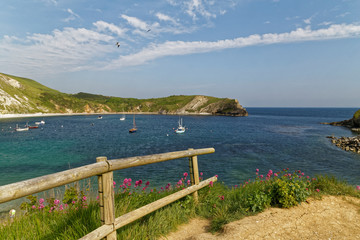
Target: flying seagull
<point>117,44</point>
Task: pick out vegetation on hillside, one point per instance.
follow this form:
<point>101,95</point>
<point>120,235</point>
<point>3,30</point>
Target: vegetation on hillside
<point>39,98</point>
<point>76,216</point>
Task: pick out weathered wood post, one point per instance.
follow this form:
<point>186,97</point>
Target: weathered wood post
<point>194,174</point>
<point>106,197</point>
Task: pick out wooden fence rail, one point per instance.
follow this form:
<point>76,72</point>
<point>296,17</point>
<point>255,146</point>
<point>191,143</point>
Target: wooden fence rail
<point>104,168</point>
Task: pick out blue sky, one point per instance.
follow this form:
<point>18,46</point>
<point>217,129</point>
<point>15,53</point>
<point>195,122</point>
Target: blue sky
<point>265,53</point>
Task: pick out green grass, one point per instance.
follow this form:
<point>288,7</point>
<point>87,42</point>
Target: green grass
<point>219,203</point>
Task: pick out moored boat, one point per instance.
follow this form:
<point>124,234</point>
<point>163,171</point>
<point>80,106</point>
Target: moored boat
<point>134,129</point>
<point>181,128</point>
<point>19,129</point>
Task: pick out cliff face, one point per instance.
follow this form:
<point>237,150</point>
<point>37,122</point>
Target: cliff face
<point>21,95</point>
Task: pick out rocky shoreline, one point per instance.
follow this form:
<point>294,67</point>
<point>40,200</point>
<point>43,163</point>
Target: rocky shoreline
<point>348,143</point>
<point>351,144</point>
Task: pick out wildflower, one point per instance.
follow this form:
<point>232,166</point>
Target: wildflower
<point>167,186</point>
<point>188,182</point>
<point>147,183</point>
<point>185,174</point>
<point>216,176</point>
<point>257,170</point>
<point>211,184</point>
<point>41,200</point>
<point>33,207</point>
<point>56,201</point>
<point>61,207</point>
<point>201,174</point>
<point>41,206</point>
<point>84,198</point>
<point>318,190</point>
<point>261,176</point>
<point>275,174</point>
<point>73,202</point>
<point>97,198</point>
<point>222,197</point>
<point>358,188</point>
<point>179,182</point>
<point>114,183</point>
<point>236,186</point>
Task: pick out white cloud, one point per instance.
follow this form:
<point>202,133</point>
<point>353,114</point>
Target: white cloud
<point>104,26</point>
<point>194,7</point>
<point>166,18</point>
<point>135,22</point>
<point>173,48</point>
<point>308,20</point>
<point>73,49</point>
<point>72,16</point>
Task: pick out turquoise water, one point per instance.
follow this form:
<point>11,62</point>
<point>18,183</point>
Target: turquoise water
<point>269,138</point>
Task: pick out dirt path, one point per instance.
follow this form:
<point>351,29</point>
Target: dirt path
<point>329,218</point>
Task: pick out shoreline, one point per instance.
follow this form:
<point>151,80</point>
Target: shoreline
<point>28,115</point>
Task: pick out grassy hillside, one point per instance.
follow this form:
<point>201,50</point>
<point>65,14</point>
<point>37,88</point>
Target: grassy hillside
<point>22,95</point>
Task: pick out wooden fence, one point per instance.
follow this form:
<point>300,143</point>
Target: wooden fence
<point>104,168</point>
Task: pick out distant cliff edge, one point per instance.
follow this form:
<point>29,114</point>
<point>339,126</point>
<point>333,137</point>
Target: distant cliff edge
<point>22,96</point>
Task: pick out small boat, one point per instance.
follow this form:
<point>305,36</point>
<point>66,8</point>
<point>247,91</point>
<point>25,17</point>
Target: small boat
<point>123,117</point>
<point>134,129</point>
<point>181,128</point>
<point>18,129</point>
<point>99,117</point>
<point>42,122</point>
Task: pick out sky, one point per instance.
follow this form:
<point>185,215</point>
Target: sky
<point>265,53</point>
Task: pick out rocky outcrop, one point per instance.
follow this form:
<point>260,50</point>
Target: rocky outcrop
<point>225,107</point>
<point>347,143</point>
<point>353,123</point>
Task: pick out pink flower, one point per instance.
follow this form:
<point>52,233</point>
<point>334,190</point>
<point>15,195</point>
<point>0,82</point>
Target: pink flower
<point>257,170</point>
<point>261,176</point>
<point>275,174</point>
<point>56,201</point>
<point>188,182</point>
<point>147,183</point>
<point>222,197</point>
<point>33,207</point>
<point>211,184</point>
<point>358,188</point>
<point>179,182</point>
<point>84,198</point>
<point>97,198</point>
<point>216,176</point>
<point>185,174</point>
<point>201,174</point>
<point>318,190</point>
<point>41,200</point>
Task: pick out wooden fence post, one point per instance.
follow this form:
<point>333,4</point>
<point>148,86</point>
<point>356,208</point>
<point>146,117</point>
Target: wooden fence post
<point>106,197</point>
<point>194,174</point>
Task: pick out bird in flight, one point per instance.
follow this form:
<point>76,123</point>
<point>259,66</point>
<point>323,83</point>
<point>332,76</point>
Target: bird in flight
<point>117,44</point>
<point>148,30</point>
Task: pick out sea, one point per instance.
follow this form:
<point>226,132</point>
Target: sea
<point>269,138</point>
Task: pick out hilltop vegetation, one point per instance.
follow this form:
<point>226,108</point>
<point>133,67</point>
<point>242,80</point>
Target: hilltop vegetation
<point>22,95</point>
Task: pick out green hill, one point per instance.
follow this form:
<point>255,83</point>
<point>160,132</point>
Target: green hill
<point>22,95</point>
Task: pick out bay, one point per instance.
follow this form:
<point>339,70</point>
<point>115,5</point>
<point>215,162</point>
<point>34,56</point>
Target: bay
<point>269,138</point>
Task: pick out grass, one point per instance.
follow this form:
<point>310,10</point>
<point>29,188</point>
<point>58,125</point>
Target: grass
<point>219,203</point>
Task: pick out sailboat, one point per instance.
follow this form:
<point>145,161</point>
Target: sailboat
<point>134,129</point>
<point>181,128</point>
